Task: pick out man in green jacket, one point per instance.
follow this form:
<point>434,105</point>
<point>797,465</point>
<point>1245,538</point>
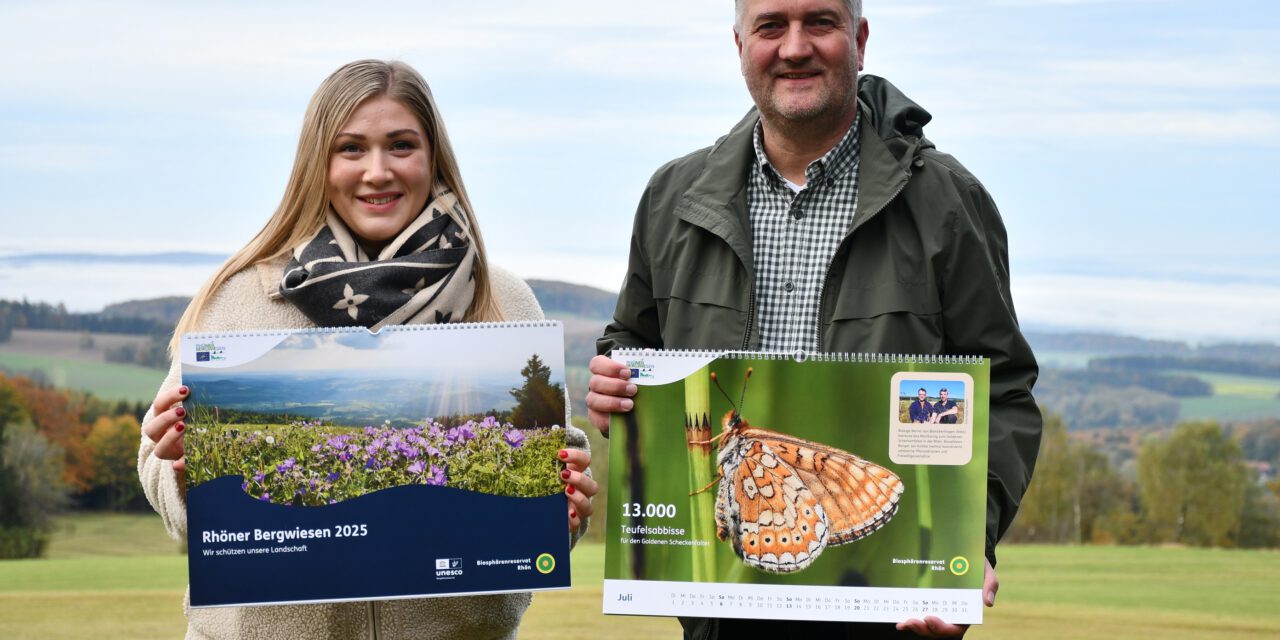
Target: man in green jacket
<point>826,221</point>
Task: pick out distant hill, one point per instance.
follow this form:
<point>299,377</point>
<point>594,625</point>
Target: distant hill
<point>165,311</point>
<point>562,298</point>
<point>1107,345</point>
<point>1093,380</point>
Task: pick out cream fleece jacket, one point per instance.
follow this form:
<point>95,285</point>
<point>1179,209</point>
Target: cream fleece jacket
<point>245,303</point>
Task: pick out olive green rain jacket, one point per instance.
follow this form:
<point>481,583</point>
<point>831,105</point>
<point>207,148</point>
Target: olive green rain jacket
<point>923,269</point>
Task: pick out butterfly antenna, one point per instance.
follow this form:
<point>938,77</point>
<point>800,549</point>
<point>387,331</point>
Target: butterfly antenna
<point>722,392</point>
<point>743,399</point>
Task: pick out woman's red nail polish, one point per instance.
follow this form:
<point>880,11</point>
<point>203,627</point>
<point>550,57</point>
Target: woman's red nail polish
<point>569,490</point>
<point>564,455</point>
<point>573,513</point>
<point>565,474</point>
<point>179,412</point>
<point>179,427</point>
<point>182,391</point>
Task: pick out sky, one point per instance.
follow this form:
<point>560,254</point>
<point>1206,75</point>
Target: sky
<point>1133,146</point>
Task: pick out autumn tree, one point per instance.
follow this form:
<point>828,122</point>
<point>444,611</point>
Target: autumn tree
<point>1193,485</point>
<point>57,415</point>
<point>31,491</point>
<point>539,403</point>
<point>1073,491</point>
<point>113,447</point>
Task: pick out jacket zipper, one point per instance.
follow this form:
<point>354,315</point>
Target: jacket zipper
<point>710,624</point>
<point>373,620</point>
<point>751,317</point>
<point>817,330</point>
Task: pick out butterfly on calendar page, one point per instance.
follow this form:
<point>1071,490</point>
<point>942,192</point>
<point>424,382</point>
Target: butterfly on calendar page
<point>783,499</point>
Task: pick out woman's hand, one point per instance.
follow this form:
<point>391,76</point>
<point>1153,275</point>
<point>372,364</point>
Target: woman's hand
<point>610,391</point>
<point>578,485</point>
<point>935,627</point>
<point>166,426</point>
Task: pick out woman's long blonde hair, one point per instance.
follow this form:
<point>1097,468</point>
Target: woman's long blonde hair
<point>302,209</point>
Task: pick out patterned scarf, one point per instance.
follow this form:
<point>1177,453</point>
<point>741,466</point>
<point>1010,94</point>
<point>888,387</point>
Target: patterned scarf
<point>423,276</point>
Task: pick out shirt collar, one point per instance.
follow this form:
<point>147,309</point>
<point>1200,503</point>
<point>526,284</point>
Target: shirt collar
<point>840,159</point>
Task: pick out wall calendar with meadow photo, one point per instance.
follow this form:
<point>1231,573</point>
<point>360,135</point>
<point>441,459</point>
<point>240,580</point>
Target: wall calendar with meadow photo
<point>329,465</point>
<point>842,487</point>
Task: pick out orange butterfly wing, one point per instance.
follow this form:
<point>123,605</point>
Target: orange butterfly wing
<point>858,496</point>
<point>776,524</point>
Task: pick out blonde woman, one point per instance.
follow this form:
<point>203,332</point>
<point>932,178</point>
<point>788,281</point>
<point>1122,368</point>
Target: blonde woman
<point>376,195</point>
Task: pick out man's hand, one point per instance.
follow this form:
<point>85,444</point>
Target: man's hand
<point>935,627</point>
<point>610,391</point>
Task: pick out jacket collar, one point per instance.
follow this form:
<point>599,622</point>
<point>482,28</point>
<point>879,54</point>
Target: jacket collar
<point>891,137</point>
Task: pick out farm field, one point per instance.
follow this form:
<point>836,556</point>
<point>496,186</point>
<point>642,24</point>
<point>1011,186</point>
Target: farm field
<point>1235,397</point>
<point>107,380</point>
<point>64,363</point>
<point>134,590</point>
<point>66,344</point>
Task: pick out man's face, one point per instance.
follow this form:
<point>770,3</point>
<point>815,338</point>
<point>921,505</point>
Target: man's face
<point>942,395</point>
<point>922,395</point>
<point>801,58</point>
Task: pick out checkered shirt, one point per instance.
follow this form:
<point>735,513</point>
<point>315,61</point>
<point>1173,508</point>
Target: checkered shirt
<point>794,235</point>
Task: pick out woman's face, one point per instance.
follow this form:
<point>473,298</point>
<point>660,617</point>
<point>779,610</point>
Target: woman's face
<point>380,171</point>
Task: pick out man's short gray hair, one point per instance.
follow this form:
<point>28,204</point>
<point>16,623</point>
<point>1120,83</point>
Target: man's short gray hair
<point>740,6</point>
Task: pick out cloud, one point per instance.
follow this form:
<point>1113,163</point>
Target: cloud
<point>1150,307</point>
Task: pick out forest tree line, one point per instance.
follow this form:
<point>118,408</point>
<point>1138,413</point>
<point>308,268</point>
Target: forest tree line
<point>1191,485</point>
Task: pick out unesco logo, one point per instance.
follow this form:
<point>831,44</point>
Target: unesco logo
<point>448,568</point>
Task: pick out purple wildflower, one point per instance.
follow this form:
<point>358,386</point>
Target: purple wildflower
<point>286,466</point>
<point>265,497</point>
<point>333,476</point>
<point>460,434</point>
<point>258,476</point>
<point>514,437</point>
<point>436,477</point>
<point>417,467</point>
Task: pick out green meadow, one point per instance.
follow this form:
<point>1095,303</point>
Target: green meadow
<point>107,380</point>
<point>119,576</point>
<point>1235,397</point>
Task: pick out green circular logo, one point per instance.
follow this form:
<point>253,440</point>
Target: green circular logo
<point>959,565</point>
<point>546,563</point>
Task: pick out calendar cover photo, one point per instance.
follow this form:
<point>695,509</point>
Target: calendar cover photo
<point>827,487</point>
<point>331,465</point>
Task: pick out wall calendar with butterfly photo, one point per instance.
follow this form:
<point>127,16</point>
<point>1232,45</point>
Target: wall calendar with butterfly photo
<point>329,465</point>
<point>847,487</point>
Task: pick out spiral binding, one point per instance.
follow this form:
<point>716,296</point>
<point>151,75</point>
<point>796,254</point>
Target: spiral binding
<point>802,356</point>
<point>515,324</point>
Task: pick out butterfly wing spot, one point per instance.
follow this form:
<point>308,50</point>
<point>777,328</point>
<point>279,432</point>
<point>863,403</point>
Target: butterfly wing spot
<point>858,497</point>
<point>774,522</point>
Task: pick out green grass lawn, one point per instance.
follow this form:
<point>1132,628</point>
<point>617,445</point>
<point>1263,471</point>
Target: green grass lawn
<point>1235,397</point>
<point>133,589</point>
<point>106,380</point>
